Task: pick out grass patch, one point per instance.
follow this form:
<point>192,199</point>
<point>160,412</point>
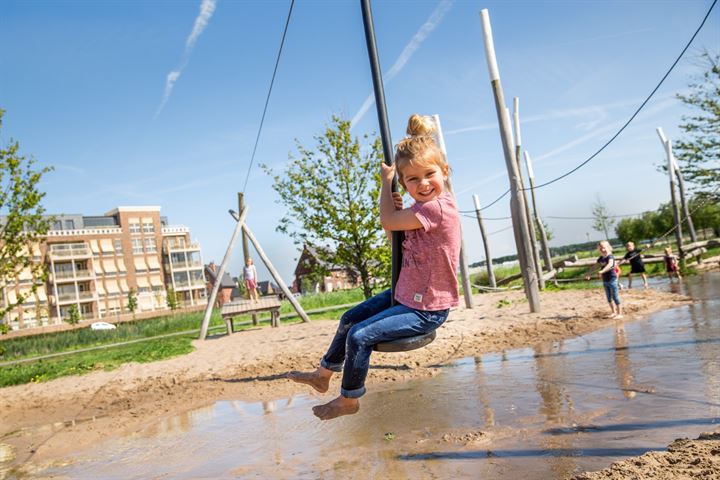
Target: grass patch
<point>85,362</point>
<point>48,343</point>
<point>151,349</point>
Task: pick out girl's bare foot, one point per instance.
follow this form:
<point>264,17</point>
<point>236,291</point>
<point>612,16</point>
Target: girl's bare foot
<point>619,316</point>
<point>337,408</point>
<point>315,379</point>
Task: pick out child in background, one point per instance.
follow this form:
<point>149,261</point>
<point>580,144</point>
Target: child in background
<point>250,276</point>
<point>427,287</point>
<point>671,264</point>
<point>606,264</point>
<point>634,256</point>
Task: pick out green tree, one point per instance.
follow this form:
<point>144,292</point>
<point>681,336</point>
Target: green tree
<point>548,232</point>
<point>132,302</point>
<point>172,299</point>
<point>705,214</point>
<point>331,194</point>
<point>699,151</point>
<point>22,221</point>
<point>603,220</point>
<point>73,315</point>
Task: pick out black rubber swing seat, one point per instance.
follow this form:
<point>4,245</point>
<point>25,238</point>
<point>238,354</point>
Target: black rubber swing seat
<point>405,344</point>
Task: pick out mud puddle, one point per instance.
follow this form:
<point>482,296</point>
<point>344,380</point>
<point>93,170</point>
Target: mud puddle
<point>545,412</point>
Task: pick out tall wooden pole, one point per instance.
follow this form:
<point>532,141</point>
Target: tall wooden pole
<point>528,217</point>
<point>464,275</point>
<point>397,237</point>
<point>667,145</point>
<point>541,227</point>
<point>246,249</point>
<point>220,273</point>
<point>681,185</point>
<point>488,258</point>
<point>520,224</point>
<point>683,199</point>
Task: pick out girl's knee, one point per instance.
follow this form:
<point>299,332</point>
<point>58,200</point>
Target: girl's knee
<point>356,338</point>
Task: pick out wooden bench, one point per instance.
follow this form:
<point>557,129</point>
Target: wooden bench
<point>270,303</point>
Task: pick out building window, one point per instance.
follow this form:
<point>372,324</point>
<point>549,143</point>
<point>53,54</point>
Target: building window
<point>118,246</point>
<point>137,246</point>
<point>57,225</point>
<point>150,246</point>
<point>148,227</point>
<point>134,228</point>
<point>69,225</point>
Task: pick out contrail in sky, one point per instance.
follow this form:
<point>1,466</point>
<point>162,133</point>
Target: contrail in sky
<point>207,8</point>
<point>435,17</point>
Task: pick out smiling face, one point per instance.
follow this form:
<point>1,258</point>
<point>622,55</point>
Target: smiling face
<point>423,182</point>
<point>603,249</point>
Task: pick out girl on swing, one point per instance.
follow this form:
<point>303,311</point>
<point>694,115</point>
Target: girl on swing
<point>427,286</point>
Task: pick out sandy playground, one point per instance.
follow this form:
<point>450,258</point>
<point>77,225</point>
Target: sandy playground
<point>129,398</point>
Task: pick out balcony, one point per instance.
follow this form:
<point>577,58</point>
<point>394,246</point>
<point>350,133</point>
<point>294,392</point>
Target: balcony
<point>185,247</point>
<point>69,276</point>
<point>183,265</point>
<point>72,298</point>
<point>74,251</point>
<point>197,284</point>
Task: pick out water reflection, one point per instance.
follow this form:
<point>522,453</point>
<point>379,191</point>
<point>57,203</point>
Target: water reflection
<point>623,368</point>
<point>555,405</point>
<point>542,412</point>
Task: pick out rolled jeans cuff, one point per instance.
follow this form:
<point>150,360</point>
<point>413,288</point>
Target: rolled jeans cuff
<point>334,367</point>
<point>357,393</point>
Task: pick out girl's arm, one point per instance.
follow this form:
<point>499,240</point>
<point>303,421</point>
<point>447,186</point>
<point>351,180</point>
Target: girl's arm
<point>390,218</point>
<point>610,265</point>
<point>590,270</point>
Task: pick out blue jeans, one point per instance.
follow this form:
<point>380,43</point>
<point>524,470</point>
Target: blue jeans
<point>373,321</point>
<point>611,291</point>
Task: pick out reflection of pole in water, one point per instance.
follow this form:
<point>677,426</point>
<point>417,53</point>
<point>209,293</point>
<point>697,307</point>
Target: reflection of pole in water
<point>549,377</point>
<point>268,406</point>
<point>623,366</point>
<point>702,315</point>
<point>482,395</point>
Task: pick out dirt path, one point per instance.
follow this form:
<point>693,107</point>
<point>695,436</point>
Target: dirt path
<point>42,422</point>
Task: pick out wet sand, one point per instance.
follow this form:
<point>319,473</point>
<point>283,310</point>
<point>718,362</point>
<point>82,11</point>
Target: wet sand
<point>44,422</point>
<point>684,459</point>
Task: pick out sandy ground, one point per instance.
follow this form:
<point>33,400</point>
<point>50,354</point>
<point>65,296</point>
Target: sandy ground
<point>42,422</point>
<point>684,460</point>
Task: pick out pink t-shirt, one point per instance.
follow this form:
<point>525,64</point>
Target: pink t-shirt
<point>428,278</point>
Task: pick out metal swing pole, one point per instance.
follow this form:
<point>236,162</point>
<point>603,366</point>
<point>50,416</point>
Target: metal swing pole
<point>397,237</point>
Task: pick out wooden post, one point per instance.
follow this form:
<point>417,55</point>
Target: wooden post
<point>543,235</point>
<point>681,185</point>
<point>246,249</point>
<point>667,145</point>
<point>378,89</point>
<point>488,258</point>
<point>464,275</point>
<point>533,236</point>
<point>220,273</point>
<point>520,225</point>
<point>683,199</point>
<point>275,274</point>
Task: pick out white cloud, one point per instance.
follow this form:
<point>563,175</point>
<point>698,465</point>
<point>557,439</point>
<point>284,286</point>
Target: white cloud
<point>207,8</point>
<point>433,21</point>
<point>169,84</point>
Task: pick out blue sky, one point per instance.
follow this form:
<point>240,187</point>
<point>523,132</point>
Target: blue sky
<point>86,89</point>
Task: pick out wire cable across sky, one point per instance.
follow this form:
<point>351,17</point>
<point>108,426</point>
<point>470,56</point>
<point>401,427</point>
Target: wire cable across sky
<point>625,125</point>
<point>267,99</point>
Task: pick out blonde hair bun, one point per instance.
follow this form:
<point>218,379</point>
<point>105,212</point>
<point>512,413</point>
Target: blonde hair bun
<point>420,126</point>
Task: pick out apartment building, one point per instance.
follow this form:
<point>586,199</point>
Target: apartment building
<point>95,261</point>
